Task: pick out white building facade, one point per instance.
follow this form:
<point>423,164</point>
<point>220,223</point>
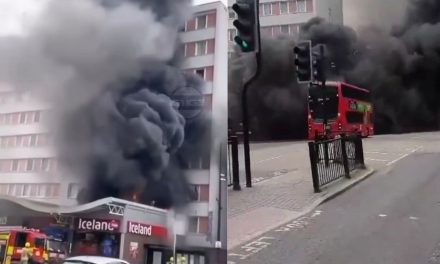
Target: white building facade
<point>28,165</point>
<point>206,53</point>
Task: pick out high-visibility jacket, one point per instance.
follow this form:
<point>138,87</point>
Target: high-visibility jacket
<point>26,254</point>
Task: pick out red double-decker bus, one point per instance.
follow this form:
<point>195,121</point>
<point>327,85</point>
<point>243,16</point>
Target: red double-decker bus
<point>348,109</point>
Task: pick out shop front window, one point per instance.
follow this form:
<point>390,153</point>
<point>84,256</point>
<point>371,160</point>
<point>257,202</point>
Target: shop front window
<point>157,257</point>
<point>97,244</point>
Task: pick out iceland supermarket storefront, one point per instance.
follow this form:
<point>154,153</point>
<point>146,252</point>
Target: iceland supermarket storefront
<point>108,227</point>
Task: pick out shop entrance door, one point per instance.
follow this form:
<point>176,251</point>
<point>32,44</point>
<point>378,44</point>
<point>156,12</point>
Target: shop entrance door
<point>157,255</point>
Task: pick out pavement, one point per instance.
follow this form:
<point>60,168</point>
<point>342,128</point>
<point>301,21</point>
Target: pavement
<point>282,192</point>
<point>392,217</point>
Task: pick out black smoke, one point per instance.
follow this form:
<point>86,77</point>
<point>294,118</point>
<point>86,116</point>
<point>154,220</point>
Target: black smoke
<point>112,71</point>
<point>400,67</point>
<point>277,104</point>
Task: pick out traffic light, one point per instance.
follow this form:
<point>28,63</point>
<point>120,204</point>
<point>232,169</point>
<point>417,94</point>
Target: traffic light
<point>303,61</point>
<point>248,32</point>
<point>318,63</point>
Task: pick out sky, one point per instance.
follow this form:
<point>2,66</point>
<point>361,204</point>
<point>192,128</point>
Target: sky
<point>16,14</point>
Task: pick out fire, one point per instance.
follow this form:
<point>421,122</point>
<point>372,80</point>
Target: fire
<point>134,197</point>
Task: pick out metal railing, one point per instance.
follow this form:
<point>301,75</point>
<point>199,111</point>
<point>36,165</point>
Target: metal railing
<point>333,159</point>
<point>233,164</point>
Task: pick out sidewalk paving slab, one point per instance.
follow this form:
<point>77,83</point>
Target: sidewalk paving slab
<point>273,202</point>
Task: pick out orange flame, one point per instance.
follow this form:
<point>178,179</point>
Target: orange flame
<point>134,197</point>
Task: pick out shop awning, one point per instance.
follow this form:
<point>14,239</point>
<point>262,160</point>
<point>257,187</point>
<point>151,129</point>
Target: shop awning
<point>113,205</point>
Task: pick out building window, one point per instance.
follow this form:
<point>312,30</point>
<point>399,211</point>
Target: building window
<point>201,73</point>
<point>201,48</point>
<point>19,188</point>
<point>202,22</point>
<point>37,116</point>
<point>19,141</point>
<point>34,190</point>
<point>232,34</point>
<point>14,165</point>
<point>284,8</point>
<point>11,189</point>
<point>42,190</point>
<point>193,224</point>
<point>267,31</point>
<point>52,190</point>
<point>232,14</point>
<point>301,6</point>
<point>33,140</point>
<point>3,189</point>
<point>27,190</point>
<point>45,165</point>
<point>267,9</point>
<point>22,118</point>
<point>73,191</point>
<point>4,142</point>
<point>285,29</point>
<point>30,165</point>
<point>196,190</point>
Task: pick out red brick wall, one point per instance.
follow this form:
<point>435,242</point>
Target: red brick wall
<point>204,193</point>
<point>211,46</point>
<point>209,74</point>
<point>275,8</point>
<point>203,225</point>
<point>309,4</point>
<point>292,6</point>
<point>212,18</point>
<point>191,25</point>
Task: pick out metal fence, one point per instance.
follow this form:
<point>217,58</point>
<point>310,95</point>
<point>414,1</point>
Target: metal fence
<point>233,165</point>
<point>334,159</point>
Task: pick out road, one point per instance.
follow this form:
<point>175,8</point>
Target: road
<point>392,217</point>
<point>269,160</point>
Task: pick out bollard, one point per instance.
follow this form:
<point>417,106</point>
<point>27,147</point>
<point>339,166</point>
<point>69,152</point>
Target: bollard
<point>313,165</point>
<point>326,158</point>
<point>345,157</point>
<point>235,164</point>
<point>359,152</point>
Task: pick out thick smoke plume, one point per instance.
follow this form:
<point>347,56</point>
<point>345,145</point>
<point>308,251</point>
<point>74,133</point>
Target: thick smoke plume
<point>277,104</point>
<point>111,69</point>
<point>400,67</point>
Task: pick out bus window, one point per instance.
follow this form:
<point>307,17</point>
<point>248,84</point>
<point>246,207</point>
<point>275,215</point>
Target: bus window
<point>355,117</point>
<point>355,94</point>
<point>316,103</point>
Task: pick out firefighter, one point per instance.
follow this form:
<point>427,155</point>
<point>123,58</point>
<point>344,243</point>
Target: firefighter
<point>26,254</point>
<point>181,260</point>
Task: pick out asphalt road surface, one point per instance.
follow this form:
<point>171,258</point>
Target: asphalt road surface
<point>392,217</point>
<point>269,160</point>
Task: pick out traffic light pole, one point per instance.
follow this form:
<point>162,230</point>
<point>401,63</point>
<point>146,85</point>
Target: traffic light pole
<point>324,88</point>
<point>244,105</point>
